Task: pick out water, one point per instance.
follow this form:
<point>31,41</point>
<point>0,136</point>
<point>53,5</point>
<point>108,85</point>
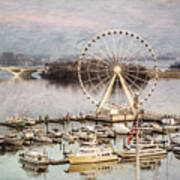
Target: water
<point>38,97</point>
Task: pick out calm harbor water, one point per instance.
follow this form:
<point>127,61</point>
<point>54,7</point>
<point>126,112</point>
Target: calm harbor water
<point>38,97</point>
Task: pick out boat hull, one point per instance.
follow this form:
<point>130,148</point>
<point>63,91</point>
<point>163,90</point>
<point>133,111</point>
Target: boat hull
<point>23,160</point>
<point>90,159</point>
<point>142,154</point>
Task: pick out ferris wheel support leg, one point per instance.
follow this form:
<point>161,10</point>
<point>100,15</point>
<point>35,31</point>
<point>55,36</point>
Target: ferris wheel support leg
<point>127,92</point>
<point>108,93</point>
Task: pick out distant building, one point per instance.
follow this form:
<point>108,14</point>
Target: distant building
<point>8,59</point>
<point>21,60</point>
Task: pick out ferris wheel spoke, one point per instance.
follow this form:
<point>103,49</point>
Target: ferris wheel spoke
<point>126,52</point>
<point>132,92</point>
<point>114,48</point>
<point>101,83</point>
<point>90,81</point>
<point>108,49</point>
<point>120,50</point>
<point>133,83</point>
<point>98,71</point>
<point>130,51</point>
<point>136,77</point>
<point>100,58</point>
<point>102,52</point>
<point>134,53</point>
<point>97,63</point>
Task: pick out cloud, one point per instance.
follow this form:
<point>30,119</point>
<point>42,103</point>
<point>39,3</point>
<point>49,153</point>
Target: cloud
<point>62,20</point>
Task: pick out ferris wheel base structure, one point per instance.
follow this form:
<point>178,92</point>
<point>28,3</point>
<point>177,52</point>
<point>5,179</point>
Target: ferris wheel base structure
<point>112,117</point>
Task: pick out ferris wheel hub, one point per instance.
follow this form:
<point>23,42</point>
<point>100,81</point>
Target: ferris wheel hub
<point>117,69</point>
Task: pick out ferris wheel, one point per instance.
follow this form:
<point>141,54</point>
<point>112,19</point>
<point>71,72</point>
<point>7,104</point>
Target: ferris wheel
<point>116,67</point>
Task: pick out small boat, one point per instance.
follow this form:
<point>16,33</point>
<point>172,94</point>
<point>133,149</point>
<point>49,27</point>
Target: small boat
<point>120,129</point>
<point>157,128</point>
<point>147,128</point>
<point>85,136</point>
<point>168,121</point>
<point>175,139</point>
<point>28,134</point>
<point>34,157</point>
<point>41,138</point>
<point>1,139</point>
<point>68,137</point>
<point>93,155</point>
<point>14,141</point>
<point>54,133</point>
<point>16,121</point>
<point>176,149</point>
<point>13,138</point>
<point>104,133</point>
<point>177,156</point>
<point>30,122</point>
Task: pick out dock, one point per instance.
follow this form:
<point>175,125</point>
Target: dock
<point>58,162</point>
<point>168,74</point>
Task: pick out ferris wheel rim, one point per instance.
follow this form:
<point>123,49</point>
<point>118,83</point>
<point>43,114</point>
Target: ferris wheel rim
<point>121,32</point>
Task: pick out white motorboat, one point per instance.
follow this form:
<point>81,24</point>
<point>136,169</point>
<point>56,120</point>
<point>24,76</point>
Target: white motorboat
<point>34,157</point>
<point>120,129</point>
<point>145,150</point>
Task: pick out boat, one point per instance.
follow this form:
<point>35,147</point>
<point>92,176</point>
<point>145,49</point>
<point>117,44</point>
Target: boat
<point>85,136</point>
<point>38,169</point>
<point>68,137</point>
<point>177,156</point>
<point>28,134</point>
<point>14,141</point>
<point>93,155</point>
<point>120,129</point>
<point>145,150</point>
<point>176,149</point>
<point>175,139</point>
<point>34,157</point>
<point>13,138</point>
<point>55,133</point>
<point>168,121</point>
<point>1,139</point>
<point>29,121</point>
<point>16,121</point>
<point>41,138</point>
<point>105,133</point>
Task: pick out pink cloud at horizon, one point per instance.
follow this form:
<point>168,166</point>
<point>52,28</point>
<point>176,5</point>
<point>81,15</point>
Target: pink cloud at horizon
<point>61,21</point>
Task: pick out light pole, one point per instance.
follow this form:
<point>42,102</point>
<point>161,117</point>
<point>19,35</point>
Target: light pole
<point>136,107</point>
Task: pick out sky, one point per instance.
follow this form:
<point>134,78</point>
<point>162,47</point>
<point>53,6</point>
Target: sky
<point>62,27</point>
